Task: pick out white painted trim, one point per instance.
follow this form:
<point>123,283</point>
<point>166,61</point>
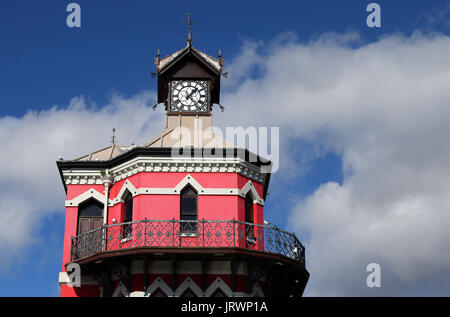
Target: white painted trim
<point>128,185</point>
<point>169,164</point>
<point>187,180</point>
<point>137,294</point>
<point>159,283</point>
<point>249,187</point>
<point>90,193</point>
<point>188,283</point>
<point>121,289</point>
<point>218,284</point>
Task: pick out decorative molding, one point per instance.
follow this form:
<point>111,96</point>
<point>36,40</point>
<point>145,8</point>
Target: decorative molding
<point>218,284</point>
<point>188,283</point>
<point>159,283</point>
<point>121,289</point>
<point>249,187</point>
<point>170,164</point>
<point>128,185</point>
<point>90,193</point>
<point>187,180</point>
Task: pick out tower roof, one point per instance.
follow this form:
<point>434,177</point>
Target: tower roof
<point>168,61</point>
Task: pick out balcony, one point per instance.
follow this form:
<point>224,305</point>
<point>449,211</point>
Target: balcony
<point>187,234</point>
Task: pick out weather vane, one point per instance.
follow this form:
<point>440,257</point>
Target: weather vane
<point>113,137</point>
<point>189,23</point>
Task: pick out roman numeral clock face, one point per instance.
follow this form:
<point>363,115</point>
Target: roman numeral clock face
<point>189,96</point>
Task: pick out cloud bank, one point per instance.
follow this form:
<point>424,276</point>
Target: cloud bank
<point>31,187</point>
<point>384,109</point>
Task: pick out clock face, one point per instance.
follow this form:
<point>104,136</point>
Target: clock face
<point>189,96</point>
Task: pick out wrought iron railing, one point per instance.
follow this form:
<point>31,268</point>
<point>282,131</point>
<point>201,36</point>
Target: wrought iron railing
<point>187,233</point>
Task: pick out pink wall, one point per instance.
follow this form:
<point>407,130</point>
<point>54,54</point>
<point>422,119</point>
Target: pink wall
<point>166,207</point>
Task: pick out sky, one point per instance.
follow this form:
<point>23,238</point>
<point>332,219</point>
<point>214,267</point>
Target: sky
<point>362,112</point>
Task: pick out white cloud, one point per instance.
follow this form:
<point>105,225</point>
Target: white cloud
<point>384,108</point>
<point>30,182</point>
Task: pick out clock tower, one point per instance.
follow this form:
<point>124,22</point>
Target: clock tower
<point>146,221</point>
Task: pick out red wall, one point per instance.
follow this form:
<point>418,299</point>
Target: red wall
<point>164,207</point>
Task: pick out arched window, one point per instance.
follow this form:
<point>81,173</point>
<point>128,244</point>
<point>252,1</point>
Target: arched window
<point>127,215</point>
<point>188,210</point>
<point>248,208</point>
<point>90,215</point>
<point>249,228</point>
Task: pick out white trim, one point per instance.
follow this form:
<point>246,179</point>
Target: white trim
<point>121,289</point>
<point>128,185</point>
<point>187,180</point>
<point>175,164</point>
<point>90,193</point>
<point>218,284</point>
<point>138,294</point>
<point>159,283</point>
<point>249,187</point>
<point>188,283</point>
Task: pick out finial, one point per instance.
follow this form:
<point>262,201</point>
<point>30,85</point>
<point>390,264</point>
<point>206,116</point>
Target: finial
<point>189,23</point>
<point>113,137</point>
<point>157,58</point>
<point>221,60</point>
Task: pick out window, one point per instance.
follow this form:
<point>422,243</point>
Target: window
<point>249,228</point>
<point>188,210</point>
<point>90,215</point>
<point>127,216</point>
<point>248,208</point>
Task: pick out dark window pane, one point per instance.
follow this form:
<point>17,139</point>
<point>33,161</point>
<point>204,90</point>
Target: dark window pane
<point>189,192</point>
<point>128,208</point>
<point>248,208</point>
<point>91,208</point>
<point>189,205</point>
<point>188,210</point>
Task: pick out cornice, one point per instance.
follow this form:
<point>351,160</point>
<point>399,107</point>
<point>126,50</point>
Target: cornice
<point>149,164</point>
<point>188,179</point>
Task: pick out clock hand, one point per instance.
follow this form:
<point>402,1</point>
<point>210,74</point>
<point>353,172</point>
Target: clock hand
<point>192,92</point>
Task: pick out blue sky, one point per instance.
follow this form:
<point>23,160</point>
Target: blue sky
<point>44,64</point>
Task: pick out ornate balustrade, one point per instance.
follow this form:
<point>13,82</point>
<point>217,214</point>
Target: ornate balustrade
<point>187,234</point>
